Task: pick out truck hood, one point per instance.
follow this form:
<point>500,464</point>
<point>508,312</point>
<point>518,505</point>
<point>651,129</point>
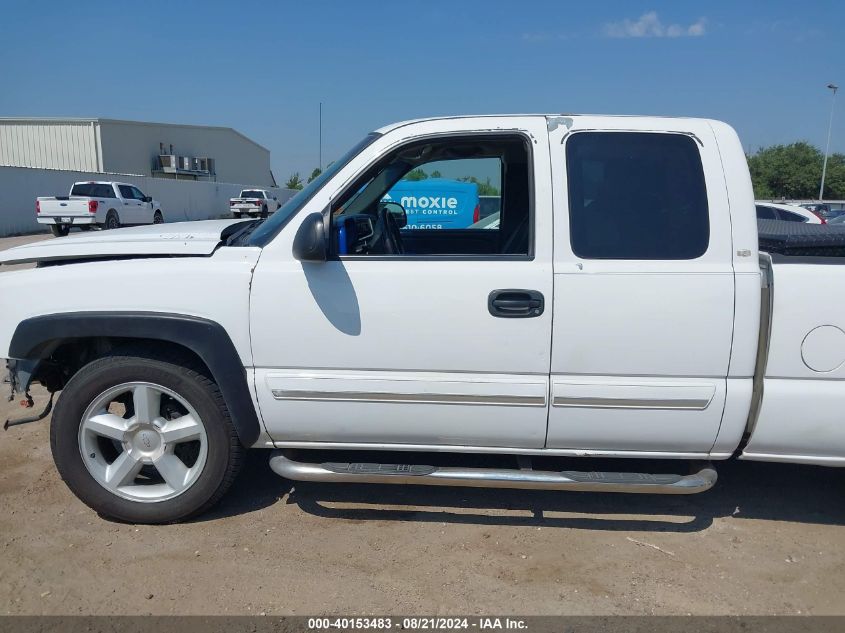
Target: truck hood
<point>177,239</point>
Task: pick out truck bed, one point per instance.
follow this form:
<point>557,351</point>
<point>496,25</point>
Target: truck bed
<point>801,364</point>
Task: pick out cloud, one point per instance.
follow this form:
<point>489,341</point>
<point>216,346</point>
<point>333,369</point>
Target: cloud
<point>649,25</point>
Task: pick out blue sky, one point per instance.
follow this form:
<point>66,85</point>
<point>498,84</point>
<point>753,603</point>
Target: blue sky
<point>262,68</point>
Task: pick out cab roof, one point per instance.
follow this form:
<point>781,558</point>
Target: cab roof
<point>398,124</point>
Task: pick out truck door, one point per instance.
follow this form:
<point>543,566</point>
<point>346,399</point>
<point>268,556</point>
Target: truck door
<point>644,287</point>
<point>130,211</point>
<point>443,342</point>
<point>145,209</point>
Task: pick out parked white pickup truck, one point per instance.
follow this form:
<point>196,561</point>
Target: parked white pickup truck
<point>108,205</point>
<point>255,203</point>
<point>620,309</point>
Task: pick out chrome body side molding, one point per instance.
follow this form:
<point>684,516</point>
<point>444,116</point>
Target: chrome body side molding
<point>420,398</point>
<point>632,403</point>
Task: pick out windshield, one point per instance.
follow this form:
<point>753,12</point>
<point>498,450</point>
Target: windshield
<point>249,193</point>
<point>270,227</point>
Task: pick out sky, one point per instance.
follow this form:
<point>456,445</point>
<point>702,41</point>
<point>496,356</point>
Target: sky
<point>263,68</point>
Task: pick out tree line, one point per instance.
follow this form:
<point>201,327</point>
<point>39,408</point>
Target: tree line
<point>794,172</point>
<point>791,171</point>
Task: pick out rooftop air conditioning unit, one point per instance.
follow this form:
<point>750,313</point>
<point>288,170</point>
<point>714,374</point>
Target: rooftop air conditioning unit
<point>168,161</point>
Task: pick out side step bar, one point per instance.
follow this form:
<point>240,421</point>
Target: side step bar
<point>363,473</point>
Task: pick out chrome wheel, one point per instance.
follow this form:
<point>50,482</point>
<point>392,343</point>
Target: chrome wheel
<point>143,442</point>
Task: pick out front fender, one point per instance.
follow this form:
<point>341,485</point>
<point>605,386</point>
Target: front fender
<point>36,338</point>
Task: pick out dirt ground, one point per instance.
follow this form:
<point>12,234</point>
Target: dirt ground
<point>768,539</point>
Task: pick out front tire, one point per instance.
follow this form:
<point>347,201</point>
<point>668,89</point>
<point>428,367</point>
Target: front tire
<point>59,230</point>
<point>143,438</point>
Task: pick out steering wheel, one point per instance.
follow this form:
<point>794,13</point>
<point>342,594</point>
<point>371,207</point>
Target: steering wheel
<point>387,234</point>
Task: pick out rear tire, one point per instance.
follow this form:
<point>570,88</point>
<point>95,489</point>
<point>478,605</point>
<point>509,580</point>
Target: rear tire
<point>126,464</point>
<point>264,213</point>
<point>112,220</point>
<point>59,230</point>
<point>158,218</point>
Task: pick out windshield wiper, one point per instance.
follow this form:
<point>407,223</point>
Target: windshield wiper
<point>238,238</point>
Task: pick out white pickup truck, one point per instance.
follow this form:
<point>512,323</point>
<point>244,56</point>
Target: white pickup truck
<point>255,203</point>
<point>621,309</point>
<point>108,205</point>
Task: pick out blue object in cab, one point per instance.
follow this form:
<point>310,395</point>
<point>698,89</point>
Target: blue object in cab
<point>436,203</point>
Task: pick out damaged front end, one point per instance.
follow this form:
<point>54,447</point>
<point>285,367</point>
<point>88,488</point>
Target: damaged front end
<point>21,373</point>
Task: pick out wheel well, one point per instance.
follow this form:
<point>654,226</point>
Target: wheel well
<point>54,347</point>
<point>68,356</point>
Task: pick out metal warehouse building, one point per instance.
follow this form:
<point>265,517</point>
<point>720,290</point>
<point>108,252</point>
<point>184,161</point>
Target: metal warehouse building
<point>160,150</point>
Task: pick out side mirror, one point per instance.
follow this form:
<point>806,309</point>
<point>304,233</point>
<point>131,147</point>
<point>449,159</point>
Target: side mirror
<point>398,212</point>
<point>309,243</point>
<point>146,199</point>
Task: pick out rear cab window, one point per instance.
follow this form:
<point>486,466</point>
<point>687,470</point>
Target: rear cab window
<point>83,189</point>
<point>250,193</point>
<point>92,190</point>
<point>636,196</point>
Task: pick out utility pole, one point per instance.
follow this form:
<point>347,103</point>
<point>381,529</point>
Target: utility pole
<point>834,88</point>
<point>320,151</point>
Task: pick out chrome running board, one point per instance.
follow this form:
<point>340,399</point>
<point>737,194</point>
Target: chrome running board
<point>367,473</point>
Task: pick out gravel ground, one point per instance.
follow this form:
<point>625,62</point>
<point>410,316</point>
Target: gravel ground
<point>768,539</point>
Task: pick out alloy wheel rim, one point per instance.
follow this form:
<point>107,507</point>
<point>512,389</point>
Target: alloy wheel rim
<point>143,442</point>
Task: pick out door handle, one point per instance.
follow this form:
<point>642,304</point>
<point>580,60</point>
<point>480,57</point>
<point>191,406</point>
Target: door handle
<point>515,303</point>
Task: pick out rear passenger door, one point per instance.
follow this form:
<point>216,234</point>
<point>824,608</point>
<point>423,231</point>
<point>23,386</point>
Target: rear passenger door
<point>643,287</point>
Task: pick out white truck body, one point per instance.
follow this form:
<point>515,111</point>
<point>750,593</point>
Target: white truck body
<point>728,353</point>
<point>254,203</point>
<point>98,203</point>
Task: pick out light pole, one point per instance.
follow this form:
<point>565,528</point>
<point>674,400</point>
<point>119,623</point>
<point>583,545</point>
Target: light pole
<point>320,150</point>
<point>834,88</point>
